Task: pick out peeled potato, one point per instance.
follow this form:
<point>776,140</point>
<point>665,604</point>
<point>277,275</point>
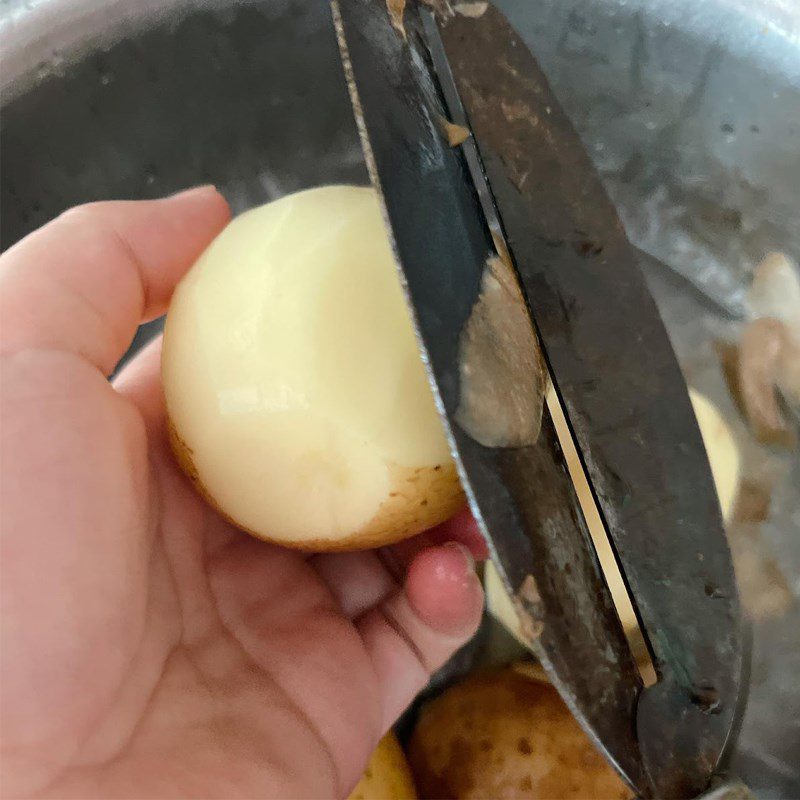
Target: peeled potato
<point>296,396</point>
<point>724,459</point>
<point>504,735</point>
<point>387,776</point>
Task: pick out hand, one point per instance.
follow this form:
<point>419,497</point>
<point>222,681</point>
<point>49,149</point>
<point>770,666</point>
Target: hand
<point>149,649</point>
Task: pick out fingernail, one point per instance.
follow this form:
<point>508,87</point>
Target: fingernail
<point>444,590</point>
<point>469,561</point>
<point>198,190</point>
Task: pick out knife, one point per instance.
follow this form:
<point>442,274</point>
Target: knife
<point>518,273</point>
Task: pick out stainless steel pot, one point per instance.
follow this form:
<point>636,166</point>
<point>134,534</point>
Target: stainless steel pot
<point>690,108</point>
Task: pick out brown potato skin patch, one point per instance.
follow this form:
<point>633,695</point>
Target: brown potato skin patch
<point>420,498</point>
<point>539,751</point>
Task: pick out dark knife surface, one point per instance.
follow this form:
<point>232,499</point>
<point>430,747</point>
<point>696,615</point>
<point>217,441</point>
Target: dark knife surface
<point>625,397</point>
<point>615,373</point>
<point>523,497</point>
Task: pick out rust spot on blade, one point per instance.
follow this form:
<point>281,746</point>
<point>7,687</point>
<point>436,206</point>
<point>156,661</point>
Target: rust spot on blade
<point>518,111</point>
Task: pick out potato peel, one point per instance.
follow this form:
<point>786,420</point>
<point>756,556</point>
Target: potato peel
<point>397,10</point>
<point>775,292</point>
<point>502,371</point>
<point>761,350</point>
<point>455,134</point>
<point>472,10</point>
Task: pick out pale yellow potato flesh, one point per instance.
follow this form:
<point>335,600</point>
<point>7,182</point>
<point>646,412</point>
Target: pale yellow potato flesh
<point>297,399</point>
<point>724,459</point>
<point>387,776</point>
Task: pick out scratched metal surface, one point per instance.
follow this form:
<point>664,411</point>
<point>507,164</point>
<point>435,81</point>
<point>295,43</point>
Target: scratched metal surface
<point>690,110</point>
<point>522,496</point>
<point>567,242</point>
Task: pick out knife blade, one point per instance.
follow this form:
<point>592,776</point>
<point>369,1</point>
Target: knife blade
<point>624,394</point>
<point>442,217</point>
<point>442,241</point>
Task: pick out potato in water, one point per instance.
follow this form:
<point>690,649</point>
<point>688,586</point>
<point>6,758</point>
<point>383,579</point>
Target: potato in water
<point>505,735</point>
<point>296,396</point>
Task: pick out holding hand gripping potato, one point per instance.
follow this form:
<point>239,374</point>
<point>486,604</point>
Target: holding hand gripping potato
<point>149,648</point>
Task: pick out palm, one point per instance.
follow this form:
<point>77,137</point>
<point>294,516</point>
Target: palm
<point>149,648</point>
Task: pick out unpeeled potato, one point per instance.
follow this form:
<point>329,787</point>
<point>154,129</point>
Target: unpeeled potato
<point>504,735</point>
<point>387,776</point>
<point>724,459</point>
<point>297,399</point>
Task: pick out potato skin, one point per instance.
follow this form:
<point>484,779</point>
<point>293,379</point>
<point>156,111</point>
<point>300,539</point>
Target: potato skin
<point>503,734</point>
<point>387,776</point>
<point>420,498</point>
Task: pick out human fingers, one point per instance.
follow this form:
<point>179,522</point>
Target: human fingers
<point>85,281</point>
<point>412,632</point>
<point>359,580</point>
<point>140,381</point>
